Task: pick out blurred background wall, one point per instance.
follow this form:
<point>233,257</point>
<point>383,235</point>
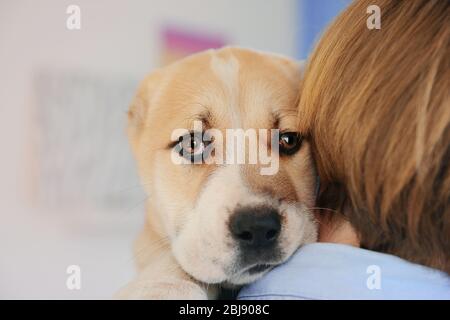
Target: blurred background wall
<point>69,194</point>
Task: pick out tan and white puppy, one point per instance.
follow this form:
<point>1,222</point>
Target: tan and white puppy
<point>218,224</point>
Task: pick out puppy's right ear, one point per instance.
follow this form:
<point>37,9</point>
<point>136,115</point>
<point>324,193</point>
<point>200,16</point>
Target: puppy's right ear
<point>140,107</point>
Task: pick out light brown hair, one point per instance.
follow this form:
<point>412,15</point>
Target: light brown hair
<point>376,105</point>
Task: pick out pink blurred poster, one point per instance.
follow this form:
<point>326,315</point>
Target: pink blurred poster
<point>178,43</point>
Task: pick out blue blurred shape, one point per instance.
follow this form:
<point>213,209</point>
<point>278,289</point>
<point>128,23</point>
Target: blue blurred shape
<point>313,17</point>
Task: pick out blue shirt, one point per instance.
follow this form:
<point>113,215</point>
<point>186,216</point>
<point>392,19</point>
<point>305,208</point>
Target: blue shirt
<point>337,271</point>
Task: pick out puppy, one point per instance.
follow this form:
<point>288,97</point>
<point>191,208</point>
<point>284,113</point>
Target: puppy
<point>213,224</point>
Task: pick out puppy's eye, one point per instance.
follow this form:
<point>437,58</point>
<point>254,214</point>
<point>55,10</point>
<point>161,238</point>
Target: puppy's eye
<point>290,142</point>
<point>192,146</point>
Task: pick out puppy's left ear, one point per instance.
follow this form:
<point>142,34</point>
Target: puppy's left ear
<point>301,64</point>
<point>293,69</point>
<point>138,111</point>
<point>298,66</point>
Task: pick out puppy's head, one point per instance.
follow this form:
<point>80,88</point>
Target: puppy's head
<point>227,221</point>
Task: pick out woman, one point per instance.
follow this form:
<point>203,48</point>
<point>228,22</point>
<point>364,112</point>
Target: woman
<point>376,106</point>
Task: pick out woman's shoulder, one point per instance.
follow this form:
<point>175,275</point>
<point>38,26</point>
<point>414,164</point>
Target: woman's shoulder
<point>336,271</point>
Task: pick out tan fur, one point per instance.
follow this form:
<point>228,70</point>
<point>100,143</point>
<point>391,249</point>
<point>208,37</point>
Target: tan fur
<point>185,250</point>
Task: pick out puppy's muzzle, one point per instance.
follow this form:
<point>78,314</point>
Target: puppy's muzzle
<point>256,231</point>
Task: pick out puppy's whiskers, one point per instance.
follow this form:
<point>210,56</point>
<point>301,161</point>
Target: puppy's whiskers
<point>325,209</point>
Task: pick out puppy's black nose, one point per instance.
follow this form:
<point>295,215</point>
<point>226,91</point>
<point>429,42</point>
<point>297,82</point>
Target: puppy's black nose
<point>255,227</point>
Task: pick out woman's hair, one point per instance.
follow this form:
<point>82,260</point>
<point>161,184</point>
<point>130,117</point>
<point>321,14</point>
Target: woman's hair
<point>376,106</point>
